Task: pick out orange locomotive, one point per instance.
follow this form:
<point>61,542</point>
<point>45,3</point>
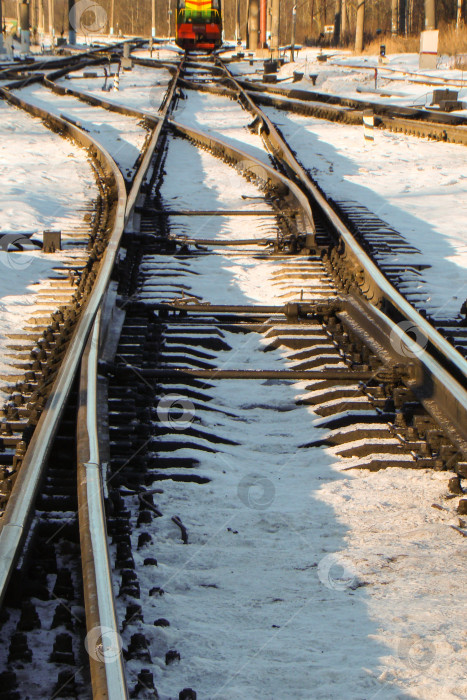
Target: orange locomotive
<point>199,24</point>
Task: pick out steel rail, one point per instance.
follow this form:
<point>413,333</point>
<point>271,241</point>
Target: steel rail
<point>425,79</point>
<point>424,115</point>
<point>50,82</point>
<point>423,123</point>
<point>380,292</point>
<point>107,666</point>
<point>18,513</point>
<point>255,168</point>
<point>103,639</point>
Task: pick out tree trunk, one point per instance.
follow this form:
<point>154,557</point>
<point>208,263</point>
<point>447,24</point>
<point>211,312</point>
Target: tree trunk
<point>51,19</point>
<point>394,17</point>
<point>337,23</point>
<point>275,29</point>
<point>343,19</point>
<point>253,25</point>
<point>360,26</point>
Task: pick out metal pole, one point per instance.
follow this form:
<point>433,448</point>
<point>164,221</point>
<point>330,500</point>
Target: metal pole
<point>153,19</point>
<point>275,29</point>
<point>294,28</point>
<point>360,26</point>
<point>71,23</point>
<point>112,16</point>
<point>25,35</point>
<point>430,14</point>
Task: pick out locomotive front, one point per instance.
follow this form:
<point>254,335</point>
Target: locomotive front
<point>199,25</point>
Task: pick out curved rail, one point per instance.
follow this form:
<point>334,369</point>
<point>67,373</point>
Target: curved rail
<point>19,510</point>
<point>256,168</point>
<point>450,399</point>
<point>356,103</point>
<point>410,120</point>
<point>107,667</point>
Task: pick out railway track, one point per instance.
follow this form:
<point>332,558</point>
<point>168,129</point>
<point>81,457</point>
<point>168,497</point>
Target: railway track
<point>408,120</point>
<point>223,326</point>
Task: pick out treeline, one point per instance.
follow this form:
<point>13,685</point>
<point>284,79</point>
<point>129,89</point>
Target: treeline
<point>313,16</point>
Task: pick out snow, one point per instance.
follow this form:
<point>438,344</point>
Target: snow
<point>141,88</point>
<point>45,183</point>
<point>223,117</point>
<point>160,52</point>
<point>122,136</point>
<point>417,186</point>
<point>342,74</point>
<point>349,168</point>
<point>300,580</point>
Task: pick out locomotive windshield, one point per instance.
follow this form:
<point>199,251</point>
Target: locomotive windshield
<point>199,24</point>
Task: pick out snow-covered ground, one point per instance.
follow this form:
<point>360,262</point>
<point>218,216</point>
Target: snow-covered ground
<point>223,117</point>
<point>46,182</point>
<point>309,582</point>
<point>141,88</point>
<point>122,136</point>
<point>343,74</point>
<point>160,52</point>
<point>417,186</point>
<point>300,580</point>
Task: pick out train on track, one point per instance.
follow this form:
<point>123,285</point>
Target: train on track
<point>199,25</point>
